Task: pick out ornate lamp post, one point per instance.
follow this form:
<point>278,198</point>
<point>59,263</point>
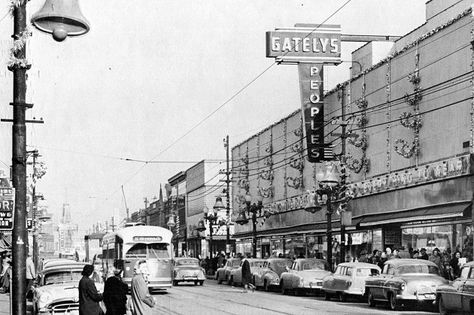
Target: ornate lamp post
<point>328,185</point>
<point>210,217</point>
<point>252,210</point>
<point>171,224</point>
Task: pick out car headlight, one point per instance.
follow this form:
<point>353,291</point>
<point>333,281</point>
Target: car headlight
<point>45,298</point>
<point>403,286</point>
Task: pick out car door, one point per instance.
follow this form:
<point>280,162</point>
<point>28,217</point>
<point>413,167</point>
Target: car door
<point>468,292</point>
<point>453,301</point>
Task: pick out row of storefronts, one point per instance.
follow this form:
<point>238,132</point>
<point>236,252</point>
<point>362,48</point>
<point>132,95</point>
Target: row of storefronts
<point>410,167</point>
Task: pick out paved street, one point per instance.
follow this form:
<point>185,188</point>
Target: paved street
<point>222,299</point>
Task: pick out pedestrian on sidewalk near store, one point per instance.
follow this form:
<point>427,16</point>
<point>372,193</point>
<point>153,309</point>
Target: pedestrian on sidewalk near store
<point>30,275</point>
<point>456,265</point>
<point>247,275</point>
<point>363,256</point>
<point>436,258</point>
<point>89,298</point>
<point>375,259</point>
<point>423,254</point>
<point>395,254</point>
<point>115,294</point>
<point>383,259</point>
<point>142,301</point>
<point>6,274</point>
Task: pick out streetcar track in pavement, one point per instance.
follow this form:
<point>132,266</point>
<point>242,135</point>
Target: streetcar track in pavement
<point>211,295</point>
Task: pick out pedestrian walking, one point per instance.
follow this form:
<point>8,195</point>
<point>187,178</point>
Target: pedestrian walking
<point>436,258</point>
<point>115,294</point>
<point>30,275</point>
<point>456,265</point>
<point>383,259</point>
<point>6,275</point>
<point>247,275</point>
<point>142,302</point>
<point>423,254</point>
<point>89,298</point>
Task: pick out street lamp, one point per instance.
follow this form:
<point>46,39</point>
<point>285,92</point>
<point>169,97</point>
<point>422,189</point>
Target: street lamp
<point>19,66</point>
<point>252,210</point>
<point>210,217</point>
<point>328,185</point>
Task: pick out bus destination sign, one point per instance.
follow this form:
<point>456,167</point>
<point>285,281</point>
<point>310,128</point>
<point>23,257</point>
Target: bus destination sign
<point>147,239</point>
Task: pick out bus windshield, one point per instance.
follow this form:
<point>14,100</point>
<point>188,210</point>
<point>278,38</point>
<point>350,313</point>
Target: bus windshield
<point>156,250</point>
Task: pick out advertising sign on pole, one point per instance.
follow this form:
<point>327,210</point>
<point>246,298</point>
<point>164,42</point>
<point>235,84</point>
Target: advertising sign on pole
<point>311,47</point>
<point>7,206</point>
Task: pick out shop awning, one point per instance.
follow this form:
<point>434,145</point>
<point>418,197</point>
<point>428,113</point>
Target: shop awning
<point>444,211</point>
<point>5,245</point>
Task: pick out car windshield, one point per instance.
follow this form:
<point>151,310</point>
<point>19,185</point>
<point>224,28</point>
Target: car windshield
<point>313,264</point>
<point>140,250</point>
<point>426,269</point>
<point>279,266</point>
<point>256,263</point>
<point>187,262</point>
<point>62,276</point>
<point>365,272</point>
<point>234,263</point>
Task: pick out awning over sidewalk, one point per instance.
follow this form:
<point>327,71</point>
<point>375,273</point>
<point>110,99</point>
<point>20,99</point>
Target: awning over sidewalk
<point>443,211</point>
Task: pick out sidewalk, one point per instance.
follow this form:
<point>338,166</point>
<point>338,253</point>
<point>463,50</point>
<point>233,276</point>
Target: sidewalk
<point>4,304</point>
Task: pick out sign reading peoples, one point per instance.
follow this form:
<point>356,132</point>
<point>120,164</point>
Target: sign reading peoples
<point>310,47</point>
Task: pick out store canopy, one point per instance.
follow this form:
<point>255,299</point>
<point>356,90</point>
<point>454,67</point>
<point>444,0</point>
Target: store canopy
<point>437,212</point>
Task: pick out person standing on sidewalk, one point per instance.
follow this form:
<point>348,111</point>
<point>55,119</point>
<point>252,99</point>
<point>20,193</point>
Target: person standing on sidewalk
<point>247,275</point>
<point>30,275</point>
<point>89,298</point>
<point>115,294</point>
<point>142,301</point>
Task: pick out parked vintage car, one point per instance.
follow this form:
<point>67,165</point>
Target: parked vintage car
<point>57,289</point>
<point>223,273</point>
<point>269,274</point>
<point>187,269</point>
<point>235,277</point>
<point>305,275</point>
<point>349,279</point>
<point>405,281</point>
<point>459,296</point>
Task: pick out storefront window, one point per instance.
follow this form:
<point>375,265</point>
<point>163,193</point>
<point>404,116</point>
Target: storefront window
<point>447,238</point>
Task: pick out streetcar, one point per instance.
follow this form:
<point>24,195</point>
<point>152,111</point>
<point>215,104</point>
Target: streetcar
<point>125,247</point>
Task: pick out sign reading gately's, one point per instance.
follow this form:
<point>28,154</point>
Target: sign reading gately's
<point>316,43</point>
<point>310,48</point>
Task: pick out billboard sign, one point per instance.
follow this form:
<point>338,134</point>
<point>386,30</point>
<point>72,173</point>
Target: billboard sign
<point>316,43</point>
<point>7,207</point>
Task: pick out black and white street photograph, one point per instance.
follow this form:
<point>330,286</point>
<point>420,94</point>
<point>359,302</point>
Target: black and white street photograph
<point>236,157</point>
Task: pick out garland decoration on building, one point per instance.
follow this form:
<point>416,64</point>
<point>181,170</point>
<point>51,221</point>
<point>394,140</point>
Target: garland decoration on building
<point>19,43</point>
<point>297,161</point>
<point>294,182</point>
<point>412,120</point>
<point>267,174</point>
<point>362,141</point>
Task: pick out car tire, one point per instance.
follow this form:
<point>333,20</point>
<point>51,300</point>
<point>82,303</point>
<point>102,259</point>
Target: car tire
<point>195,282</point>
<point>175,283</point>
<point>231,281</point>
<point>392,301</point>
<point>441,307</point>
<point>219,280</point>
<point>370,299</point>
<point>282,288</point>
<point>265,286</point>
<point>327,296</point>
<point>201,282</point>
<point>342,297</point>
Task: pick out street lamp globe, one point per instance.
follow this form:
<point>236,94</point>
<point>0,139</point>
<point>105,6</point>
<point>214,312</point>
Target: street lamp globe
<point>61,18</point>
<point>331,176</point>
<point>219,204</point>
<point>171,224</point>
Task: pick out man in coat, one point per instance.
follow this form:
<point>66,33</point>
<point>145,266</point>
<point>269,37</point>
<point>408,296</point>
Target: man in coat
<point>115,294</point>
<point>89,298</point>
<point>142,301</point>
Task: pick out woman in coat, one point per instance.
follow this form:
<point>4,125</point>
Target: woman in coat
<point>142,301</point>
<point>89,298</point>
<point>247,275</point>
<point>115,294</point>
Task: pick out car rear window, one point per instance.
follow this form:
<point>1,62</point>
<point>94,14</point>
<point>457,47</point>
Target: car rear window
<point>191,262</point>
<point>418,269</point>
<point>365,272</point>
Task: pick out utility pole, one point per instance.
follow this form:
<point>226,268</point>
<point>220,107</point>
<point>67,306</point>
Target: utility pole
<point>227,195</point>
<point>20,234</point>
<point>33,212</point>
<point>343,178</point>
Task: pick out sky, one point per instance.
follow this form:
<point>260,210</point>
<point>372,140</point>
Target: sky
<point>148,72</point>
